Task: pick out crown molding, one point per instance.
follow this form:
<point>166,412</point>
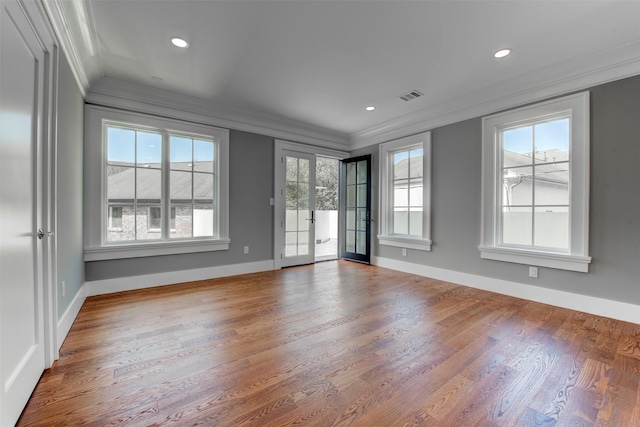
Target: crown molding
<point>131,96</point>
<point>567,77</point>
<point>62,28</point>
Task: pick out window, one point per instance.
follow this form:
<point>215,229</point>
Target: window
<point>151,166</point>
<point>115,218</point>
<point>155,219</point>
<point>536,185</point>
<point>405,199</point>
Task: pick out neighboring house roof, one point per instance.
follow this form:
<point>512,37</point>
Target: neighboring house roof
<point>401,169</point>
<point>553,172</point>
<point>121,183</point>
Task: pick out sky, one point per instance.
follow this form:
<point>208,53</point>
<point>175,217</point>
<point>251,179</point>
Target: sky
<point>549,135</point>
<point>121,147</point>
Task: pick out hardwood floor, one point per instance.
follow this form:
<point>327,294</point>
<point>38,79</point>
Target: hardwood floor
<point>337,344</point>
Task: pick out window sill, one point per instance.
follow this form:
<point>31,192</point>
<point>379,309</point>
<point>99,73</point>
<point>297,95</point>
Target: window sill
<point>405,242</point>
<point>138,250</point>
<point>535,258</point>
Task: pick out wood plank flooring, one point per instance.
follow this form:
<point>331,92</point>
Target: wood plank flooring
<point>337,344</point>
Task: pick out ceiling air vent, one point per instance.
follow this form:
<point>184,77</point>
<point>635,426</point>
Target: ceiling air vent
<point>411,95</point>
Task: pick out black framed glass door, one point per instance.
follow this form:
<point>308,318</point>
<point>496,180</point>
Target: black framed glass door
<point>355,209</point>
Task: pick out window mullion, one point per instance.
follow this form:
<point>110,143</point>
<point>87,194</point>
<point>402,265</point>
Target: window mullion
<point>135,187</point>
<point>165,186</point>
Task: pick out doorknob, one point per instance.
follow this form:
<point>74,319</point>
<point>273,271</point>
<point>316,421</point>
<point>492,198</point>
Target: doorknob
<point>41,233</point>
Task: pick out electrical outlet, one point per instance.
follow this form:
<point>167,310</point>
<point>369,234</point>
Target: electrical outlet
<point>404,252</point>
<point>533,272</point>
<point>64,288</point>
<point>246,250</point>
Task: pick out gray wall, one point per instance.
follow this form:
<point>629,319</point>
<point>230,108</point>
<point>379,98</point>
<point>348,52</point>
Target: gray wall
<point>250,217</point>
<point>70,264</point>
<point>614,214</point>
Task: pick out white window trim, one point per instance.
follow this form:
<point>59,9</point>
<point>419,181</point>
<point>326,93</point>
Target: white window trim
<point>95,218</point>
<point>576,258</point>
<point>385,237</point>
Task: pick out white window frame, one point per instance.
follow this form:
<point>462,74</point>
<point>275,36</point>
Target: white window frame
<point>96,213</point>
<point>385,236</point>
<point>576,258</point>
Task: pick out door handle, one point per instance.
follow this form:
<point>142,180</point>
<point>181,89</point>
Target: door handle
<point>41,233</point>
<point>313,217</point>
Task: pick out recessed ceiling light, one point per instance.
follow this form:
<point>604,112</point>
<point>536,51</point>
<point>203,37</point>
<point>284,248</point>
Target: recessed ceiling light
<point>502,53</point>
<point>370,108</point>
<point>178,42</point>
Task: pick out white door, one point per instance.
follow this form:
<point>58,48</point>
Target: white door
<point>299,199</point>
<point>22,106</point>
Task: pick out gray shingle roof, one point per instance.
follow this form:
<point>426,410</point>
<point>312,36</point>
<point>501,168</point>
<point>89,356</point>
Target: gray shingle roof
<point>121,178</point>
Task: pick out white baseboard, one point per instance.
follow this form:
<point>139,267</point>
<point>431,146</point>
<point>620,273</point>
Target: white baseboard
<point>69,316</point>
<point>598,306</point>
<point>107,286</point>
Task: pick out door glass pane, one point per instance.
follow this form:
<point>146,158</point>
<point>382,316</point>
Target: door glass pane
<point>350,241</point>
<point>292,169</point>
<point>351,173</point>
<point>292,195</point>
<point>361,221</point>
<point>552,227</point>
<point>291,243</point>
<point>291,220</point>
<point>351,196</point>
<point>361,243</point>
<point>303,170</point>
<point>303,243</point>
<point>362,172</point>
<point>362,195</point>
<point>303,195</point>
<point>304,220</point>
<point>517,226</point>
<point>351,218</point>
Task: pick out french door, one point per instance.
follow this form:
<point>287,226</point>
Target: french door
<point>355,210</point>
<point>299,198</point>
<point>23,106</point>
<point>295,214</point>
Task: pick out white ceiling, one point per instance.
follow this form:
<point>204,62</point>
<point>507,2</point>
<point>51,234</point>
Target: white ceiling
<point>321,63</point>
